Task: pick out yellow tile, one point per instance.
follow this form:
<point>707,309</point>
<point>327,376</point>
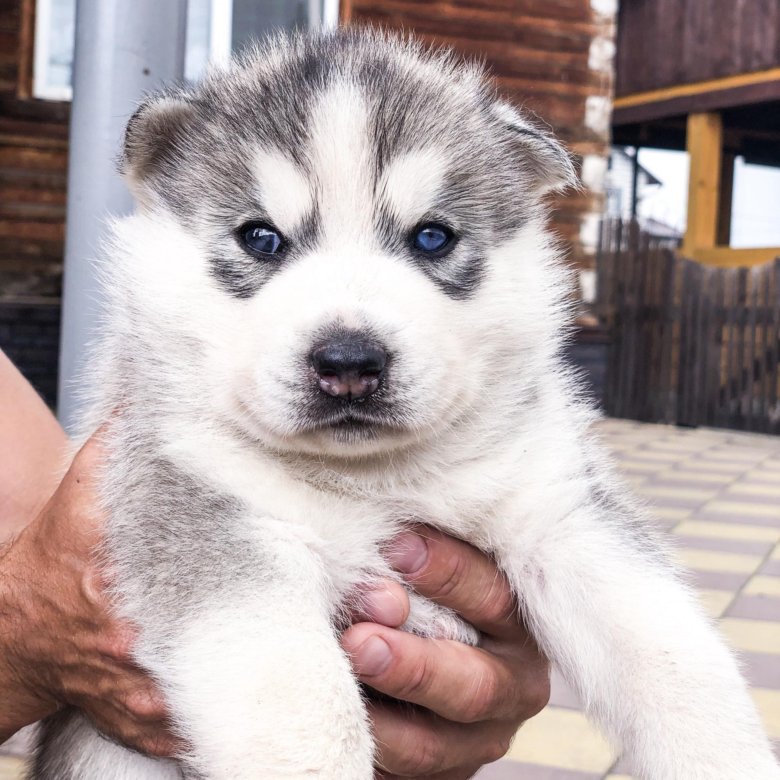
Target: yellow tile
<point>707,560</point>
<point>755,636</point>
<point>744,508</point>
<point>636,465</point>
<point>715,601</point>
<point>618,777</point>
<point>712,530</point>
<point>711,467</point>
<point>763,585</point>
<point>677,443</point>
<point>565,739</point>
<point>656,455</point>
<point>675,492</point>
<point>670,512</point>
<point>747,489</point>
<point>12,768</point>
<point>695,476</point>
<point>735,455</point>
<point>768,703</point>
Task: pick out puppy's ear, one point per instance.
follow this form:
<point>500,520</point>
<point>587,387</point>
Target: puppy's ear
<point>153,134</point>
<point>542,156</point>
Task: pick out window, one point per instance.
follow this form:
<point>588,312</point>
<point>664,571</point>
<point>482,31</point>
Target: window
<point>755,217</point>
<point>215,28</point>
<point>55,29</point>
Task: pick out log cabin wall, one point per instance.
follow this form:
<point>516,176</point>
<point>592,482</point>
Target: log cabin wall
<point>33,173</point>
<point>551,56</point>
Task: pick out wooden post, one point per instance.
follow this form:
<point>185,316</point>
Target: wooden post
<point>705,147</point>
<point>345,11</point>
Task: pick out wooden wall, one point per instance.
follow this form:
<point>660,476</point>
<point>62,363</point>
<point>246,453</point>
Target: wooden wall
<point>663,43</point>
<point>33,164</point>
<point>551,56</point>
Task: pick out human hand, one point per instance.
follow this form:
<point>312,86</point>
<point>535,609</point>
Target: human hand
<point>471,701</point>
<point>59,643</point>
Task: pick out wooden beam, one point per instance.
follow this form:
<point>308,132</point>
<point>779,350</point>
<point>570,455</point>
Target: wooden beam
<point>681,105</point>
<point>726,257</point>
<point>704,142</point>
<point>697,88</point>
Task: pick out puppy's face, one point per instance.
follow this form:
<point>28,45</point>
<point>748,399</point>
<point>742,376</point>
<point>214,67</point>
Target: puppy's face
<point>337,213</point>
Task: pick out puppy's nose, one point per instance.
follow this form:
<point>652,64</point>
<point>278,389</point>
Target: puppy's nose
<point>349,368</point>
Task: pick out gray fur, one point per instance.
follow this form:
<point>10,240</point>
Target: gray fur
<point>185,146</point>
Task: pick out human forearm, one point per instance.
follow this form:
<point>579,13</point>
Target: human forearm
<point>33,450</point>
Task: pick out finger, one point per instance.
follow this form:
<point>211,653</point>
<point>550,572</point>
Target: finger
<point>458,682</point>
<point>386,603</point>
<point>458,576</point>
<point>138,721</point>
<point>415,743</point>
<point>150,739</point>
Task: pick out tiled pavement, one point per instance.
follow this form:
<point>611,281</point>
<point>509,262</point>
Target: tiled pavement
<point>718,493</point>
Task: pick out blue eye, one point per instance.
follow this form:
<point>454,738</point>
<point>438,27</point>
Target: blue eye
<point>432,239</point>
<point>261,239</point>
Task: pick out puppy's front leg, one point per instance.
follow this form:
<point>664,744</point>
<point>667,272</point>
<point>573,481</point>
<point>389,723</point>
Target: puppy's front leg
<point>260,687</point>
<point>607,607</point>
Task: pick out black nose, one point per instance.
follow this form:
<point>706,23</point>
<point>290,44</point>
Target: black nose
<point>350,367</point>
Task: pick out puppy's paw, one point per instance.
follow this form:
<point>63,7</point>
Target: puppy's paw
<point>429,619</point>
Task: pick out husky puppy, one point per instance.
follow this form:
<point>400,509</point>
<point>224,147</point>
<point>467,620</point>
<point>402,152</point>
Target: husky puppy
<point>337,311</point>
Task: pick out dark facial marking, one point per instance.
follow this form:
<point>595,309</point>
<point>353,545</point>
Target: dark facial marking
<point>242,269</point>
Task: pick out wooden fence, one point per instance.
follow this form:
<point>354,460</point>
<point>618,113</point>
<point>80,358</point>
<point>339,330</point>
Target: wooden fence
<point>690,344</point>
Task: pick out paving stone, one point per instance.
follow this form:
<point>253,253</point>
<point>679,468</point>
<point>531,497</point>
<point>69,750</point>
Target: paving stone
<point>757,608</point>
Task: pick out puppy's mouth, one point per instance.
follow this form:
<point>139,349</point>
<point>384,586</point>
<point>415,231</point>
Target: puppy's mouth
<point>353,417</point>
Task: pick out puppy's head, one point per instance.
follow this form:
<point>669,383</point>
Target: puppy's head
<point>337,227</point>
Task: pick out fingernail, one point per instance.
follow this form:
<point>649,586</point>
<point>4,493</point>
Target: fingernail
<point>383,606</point>
<point>408,553</point>
<point>372,657</point>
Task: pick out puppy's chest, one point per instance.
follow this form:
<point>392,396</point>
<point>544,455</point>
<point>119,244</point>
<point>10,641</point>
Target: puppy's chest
<point>347,523</point>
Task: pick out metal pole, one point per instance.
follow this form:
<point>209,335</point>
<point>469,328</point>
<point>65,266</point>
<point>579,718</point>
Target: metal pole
<point>123,51</point>
<point>635,183</point>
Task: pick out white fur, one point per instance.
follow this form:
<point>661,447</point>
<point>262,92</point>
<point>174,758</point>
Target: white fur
<point>493,447</point>
<point>284,187</point>
<point>412,182</point>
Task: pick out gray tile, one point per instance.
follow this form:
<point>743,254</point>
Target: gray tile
<point>738,519</point>
<point>757,607</point>
<point>748,547</point>
<point>749,498</point>
<point>717,580</point>
<point>676,502</point>
<point>621,767</point>
<point>516,770</point>
<point>762,670</point>
<point>771,568</point>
